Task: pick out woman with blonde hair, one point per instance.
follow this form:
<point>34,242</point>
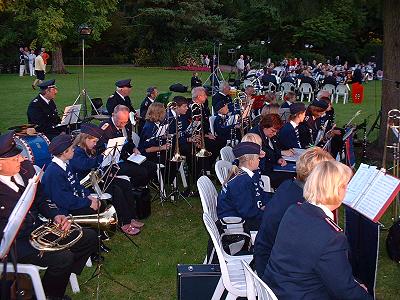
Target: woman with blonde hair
<point>156,149</point>
<point>288,193</point>
<point>86,159</point>
<point>242,196</point>
<point>309,259</point>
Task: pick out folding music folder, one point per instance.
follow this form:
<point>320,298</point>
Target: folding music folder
<point>371,191</point>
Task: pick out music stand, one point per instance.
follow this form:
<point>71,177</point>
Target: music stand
<point>14,223</point>
<point>216,71</point>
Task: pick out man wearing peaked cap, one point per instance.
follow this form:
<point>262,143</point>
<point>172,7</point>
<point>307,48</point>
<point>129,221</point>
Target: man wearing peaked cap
<point>15,172</point>
<point>151,95</point>
<point>121,96</point>
<point>42,110</point>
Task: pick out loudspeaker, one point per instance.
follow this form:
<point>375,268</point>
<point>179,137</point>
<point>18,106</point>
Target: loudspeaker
<point>197,282</point>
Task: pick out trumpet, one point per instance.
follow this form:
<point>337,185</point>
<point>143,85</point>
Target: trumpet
<point>393,142</point>
<point>49,237</point>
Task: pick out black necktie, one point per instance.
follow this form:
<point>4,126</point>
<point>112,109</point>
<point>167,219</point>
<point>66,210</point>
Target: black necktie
<point>21,188</point>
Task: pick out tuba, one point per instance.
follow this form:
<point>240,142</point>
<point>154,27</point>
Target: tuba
<point>49,237</point>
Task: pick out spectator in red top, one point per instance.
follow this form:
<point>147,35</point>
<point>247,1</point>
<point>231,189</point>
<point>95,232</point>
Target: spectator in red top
<point>45,57</point>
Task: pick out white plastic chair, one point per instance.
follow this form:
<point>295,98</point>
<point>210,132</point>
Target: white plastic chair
<point>329,88</point>
<point>222,168</point>
<point>342,90</point>
<point>208,196</point>
<point>227,154</point>
<point>256,288</point>
<point>286,87</point>
<point>211,120</point>
<point>306,90</point>
<point>232,273</point>
<point>267,183</point>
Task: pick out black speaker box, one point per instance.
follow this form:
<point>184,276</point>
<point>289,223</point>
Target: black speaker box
<point>197,282</point>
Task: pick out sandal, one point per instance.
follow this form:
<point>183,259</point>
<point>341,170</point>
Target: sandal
<point>129,229</point>
<point>136,223</point>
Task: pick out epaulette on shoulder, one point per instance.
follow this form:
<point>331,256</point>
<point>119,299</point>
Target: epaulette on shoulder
<point>333,225</point>
<point>240,173</point>
<point>35,100</point>
<point>105,126</point>
<point>110,96</point>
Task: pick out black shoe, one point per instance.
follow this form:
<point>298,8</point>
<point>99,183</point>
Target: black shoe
<point>96,258</point>
<point>104,248</point>
<point>65,297</point>
<point>194,194</point>
<point>186,193</point>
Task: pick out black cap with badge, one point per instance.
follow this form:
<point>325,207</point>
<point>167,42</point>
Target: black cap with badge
<point>124,83</point>
<point>47,84</point>
<point>8,147</point>
<point>60,143</point>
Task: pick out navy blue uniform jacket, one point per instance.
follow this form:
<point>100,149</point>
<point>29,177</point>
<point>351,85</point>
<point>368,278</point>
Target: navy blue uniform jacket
<point>81,164</point>
<point>287,137</point>
<point>41,204</point>
<point>64,189</point>
<point>147,138</point>
<point>288,193</point>
<point>115,100</point>
<point>309,258</point>
<point>44,115</point>
<point>242,197</point>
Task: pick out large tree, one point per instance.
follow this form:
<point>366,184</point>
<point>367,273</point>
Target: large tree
<point>391,62</point>
<point>56,21</point>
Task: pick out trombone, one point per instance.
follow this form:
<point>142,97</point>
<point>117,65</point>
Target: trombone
<point>393,143</point>
<point>202,152</point>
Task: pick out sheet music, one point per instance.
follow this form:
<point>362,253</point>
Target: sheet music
<point>109,154</point>
<point>359,183</point>
<point>369,191</point>
<point>296,156</point>
<point>137,158</point>
<point>71,114</point>
<point>18,215</point>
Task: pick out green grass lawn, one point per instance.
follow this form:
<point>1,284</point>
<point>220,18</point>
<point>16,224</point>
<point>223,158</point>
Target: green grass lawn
<point>174,233</point>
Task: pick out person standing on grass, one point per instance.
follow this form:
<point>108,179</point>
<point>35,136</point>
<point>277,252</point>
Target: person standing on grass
<point>31,58</point>
<point>22,58</point>
<point>45,57</point>
<point>40,69</point>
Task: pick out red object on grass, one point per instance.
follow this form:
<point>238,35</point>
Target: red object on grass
<point>357,92</point>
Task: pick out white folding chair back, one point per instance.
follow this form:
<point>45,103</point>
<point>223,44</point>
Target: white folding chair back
<point>306,90</point>
<point>342,90</point>
<point>135,138</point>
<point>222,168</point>
<point>330,88</point>
<point>232,273</point>
<point>267,183</point>
<point>286,87</point>
<point>208,196</point>
<point>256,288</point>
<point>211,120</point>
<point>227,154</point>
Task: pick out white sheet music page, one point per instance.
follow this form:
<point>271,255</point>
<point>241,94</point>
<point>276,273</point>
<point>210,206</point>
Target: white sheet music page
<point>375,202</point>
<point>71,114</point>
<point>359,184</point>
<point>109,154</point>
<point>296,156</point>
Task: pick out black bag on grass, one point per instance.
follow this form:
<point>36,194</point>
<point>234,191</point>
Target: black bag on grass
<point>178,88</point>
<point>393,242</point>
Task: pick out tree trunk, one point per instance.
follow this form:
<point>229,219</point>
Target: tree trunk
<point>391,63</point>
<point>57,65</point>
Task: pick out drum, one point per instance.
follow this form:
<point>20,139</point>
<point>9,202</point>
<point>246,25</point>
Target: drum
<point>35,148</point>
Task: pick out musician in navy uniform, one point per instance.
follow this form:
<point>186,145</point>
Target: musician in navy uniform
<point>118,126</point>
<point>199,114</point>
<point>226,126</point>
<point>242,196</point>
<point>290,98</point>
<point>62,185</point>
<point>288,135</point>
<point>14,175</point>
<point>267,129</point>
<point>42,111</point>
<point>308,129</point>
<point>309,259</point>
<point>86,159</point>
<point>153,140</point>
<point>223,96</point>
<point>288,193</point>
<point>151,95</point>
<point>121,96</point>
